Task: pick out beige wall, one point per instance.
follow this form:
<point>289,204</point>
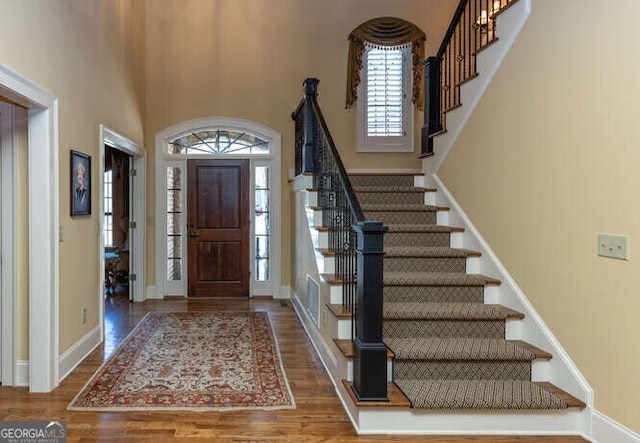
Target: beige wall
<point>248,59</point>
<point>548,160</point>
<point>90,55</point>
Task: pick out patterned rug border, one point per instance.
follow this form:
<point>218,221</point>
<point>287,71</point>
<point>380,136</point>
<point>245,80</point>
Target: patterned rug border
<point>140,323</point>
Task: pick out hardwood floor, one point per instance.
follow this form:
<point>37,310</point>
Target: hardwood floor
<point>319,415</point>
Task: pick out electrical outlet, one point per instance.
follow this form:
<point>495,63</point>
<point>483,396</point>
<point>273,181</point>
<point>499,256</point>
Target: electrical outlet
<point>613,246</point>
<point>83,315</point>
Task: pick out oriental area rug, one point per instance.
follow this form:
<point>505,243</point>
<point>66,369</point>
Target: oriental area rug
<point>192,361</point>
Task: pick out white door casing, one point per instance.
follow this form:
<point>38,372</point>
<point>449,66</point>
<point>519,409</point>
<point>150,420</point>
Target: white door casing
<point>43,225</point>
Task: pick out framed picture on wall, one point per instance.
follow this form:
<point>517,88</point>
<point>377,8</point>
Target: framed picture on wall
<point>80,184</point>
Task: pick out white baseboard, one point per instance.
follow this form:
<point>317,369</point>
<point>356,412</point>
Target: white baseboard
<point>21,374</point>
<point>606,430</point>
<point>73,356</point>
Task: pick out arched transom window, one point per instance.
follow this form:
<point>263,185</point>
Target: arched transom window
<point>218,141</point>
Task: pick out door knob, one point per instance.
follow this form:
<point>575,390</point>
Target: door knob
<point>193,234</point>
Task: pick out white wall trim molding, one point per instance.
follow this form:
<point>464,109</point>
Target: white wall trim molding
<point>43,162</point>
<point>21,372</point>
<point>509,24</point>
<point>272,160</point>
<point>607,430</point>
<point>73,356</point>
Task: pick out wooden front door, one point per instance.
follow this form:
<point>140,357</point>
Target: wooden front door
<point>218,227</point>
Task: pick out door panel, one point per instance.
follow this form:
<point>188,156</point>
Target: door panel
<point>218,227</point>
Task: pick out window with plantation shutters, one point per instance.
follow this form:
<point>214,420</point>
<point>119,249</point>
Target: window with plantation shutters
<point>384,93</point>
<point>384,111</point>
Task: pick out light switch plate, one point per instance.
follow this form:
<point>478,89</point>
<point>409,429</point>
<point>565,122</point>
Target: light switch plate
<point>613,246</point>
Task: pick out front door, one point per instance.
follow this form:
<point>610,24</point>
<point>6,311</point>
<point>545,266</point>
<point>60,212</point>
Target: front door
<point>218,227</point>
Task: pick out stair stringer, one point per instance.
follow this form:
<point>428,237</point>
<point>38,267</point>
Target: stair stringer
<point>508,24</point>
<point>560,370</point>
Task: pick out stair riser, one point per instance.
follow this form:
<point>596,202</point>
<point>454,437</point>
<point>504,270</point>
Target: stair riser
<point>390,198</point>
<point>443,328</point>
<point>425,264</point>
<point>461,370</point>
<point>417,239</point>
<point>389,370</point>
<point>386,180</point>
<point>340,327</point>
<point>413,218</point>
<point>434,294</point>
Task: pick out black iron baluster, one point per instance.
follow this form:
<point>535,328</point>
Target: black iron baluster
<point>361,273</point>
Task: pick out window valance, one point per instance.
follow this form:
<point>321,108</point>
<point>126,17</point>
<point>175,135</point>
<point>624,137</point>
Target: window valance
<point>385,33</point>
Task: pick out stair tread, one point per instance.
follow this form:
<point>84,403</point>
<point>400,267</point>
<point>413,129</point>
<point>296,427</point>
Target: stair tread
<point>339,310</point>
<point>345,346</point>
<point>428,251</point>
<point>331,279</point>
<point>481,394</point>
<point>416,173</point>
<point>422,228</point>
<point>447,311</point>
<point>396,398</point>
<point>436,279</point>
<point>415,207</point>
<point>393,189</point>
<point>458,349</point>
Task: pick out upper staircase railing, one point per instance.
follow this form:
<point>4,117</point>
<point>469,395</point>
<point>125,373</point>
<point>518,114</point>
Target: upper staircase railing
<point>471,29</point>
<point>356,243</point>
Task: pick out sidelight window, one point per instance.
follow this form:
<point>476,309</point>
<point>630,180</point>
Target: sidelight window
<point>261,217</point>
<point>174,217</point>
<point>108,209</point>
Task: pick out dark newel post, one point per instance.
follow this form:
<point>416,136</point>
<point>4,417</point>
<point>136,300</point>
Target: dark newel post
<point>310,93</point>
<point>370,353</point>
<point>432,122</point>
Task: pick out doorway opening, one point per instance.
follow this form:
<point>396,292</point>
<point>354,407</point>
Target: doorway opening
<point>117,209</point>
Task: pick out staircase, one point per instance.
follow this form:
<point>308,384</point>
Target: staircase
<point>460,352</point>
<point>449,345</point>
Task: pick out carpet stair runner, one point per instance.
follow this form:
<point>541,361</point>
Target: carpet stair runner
<point>449,346</point>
